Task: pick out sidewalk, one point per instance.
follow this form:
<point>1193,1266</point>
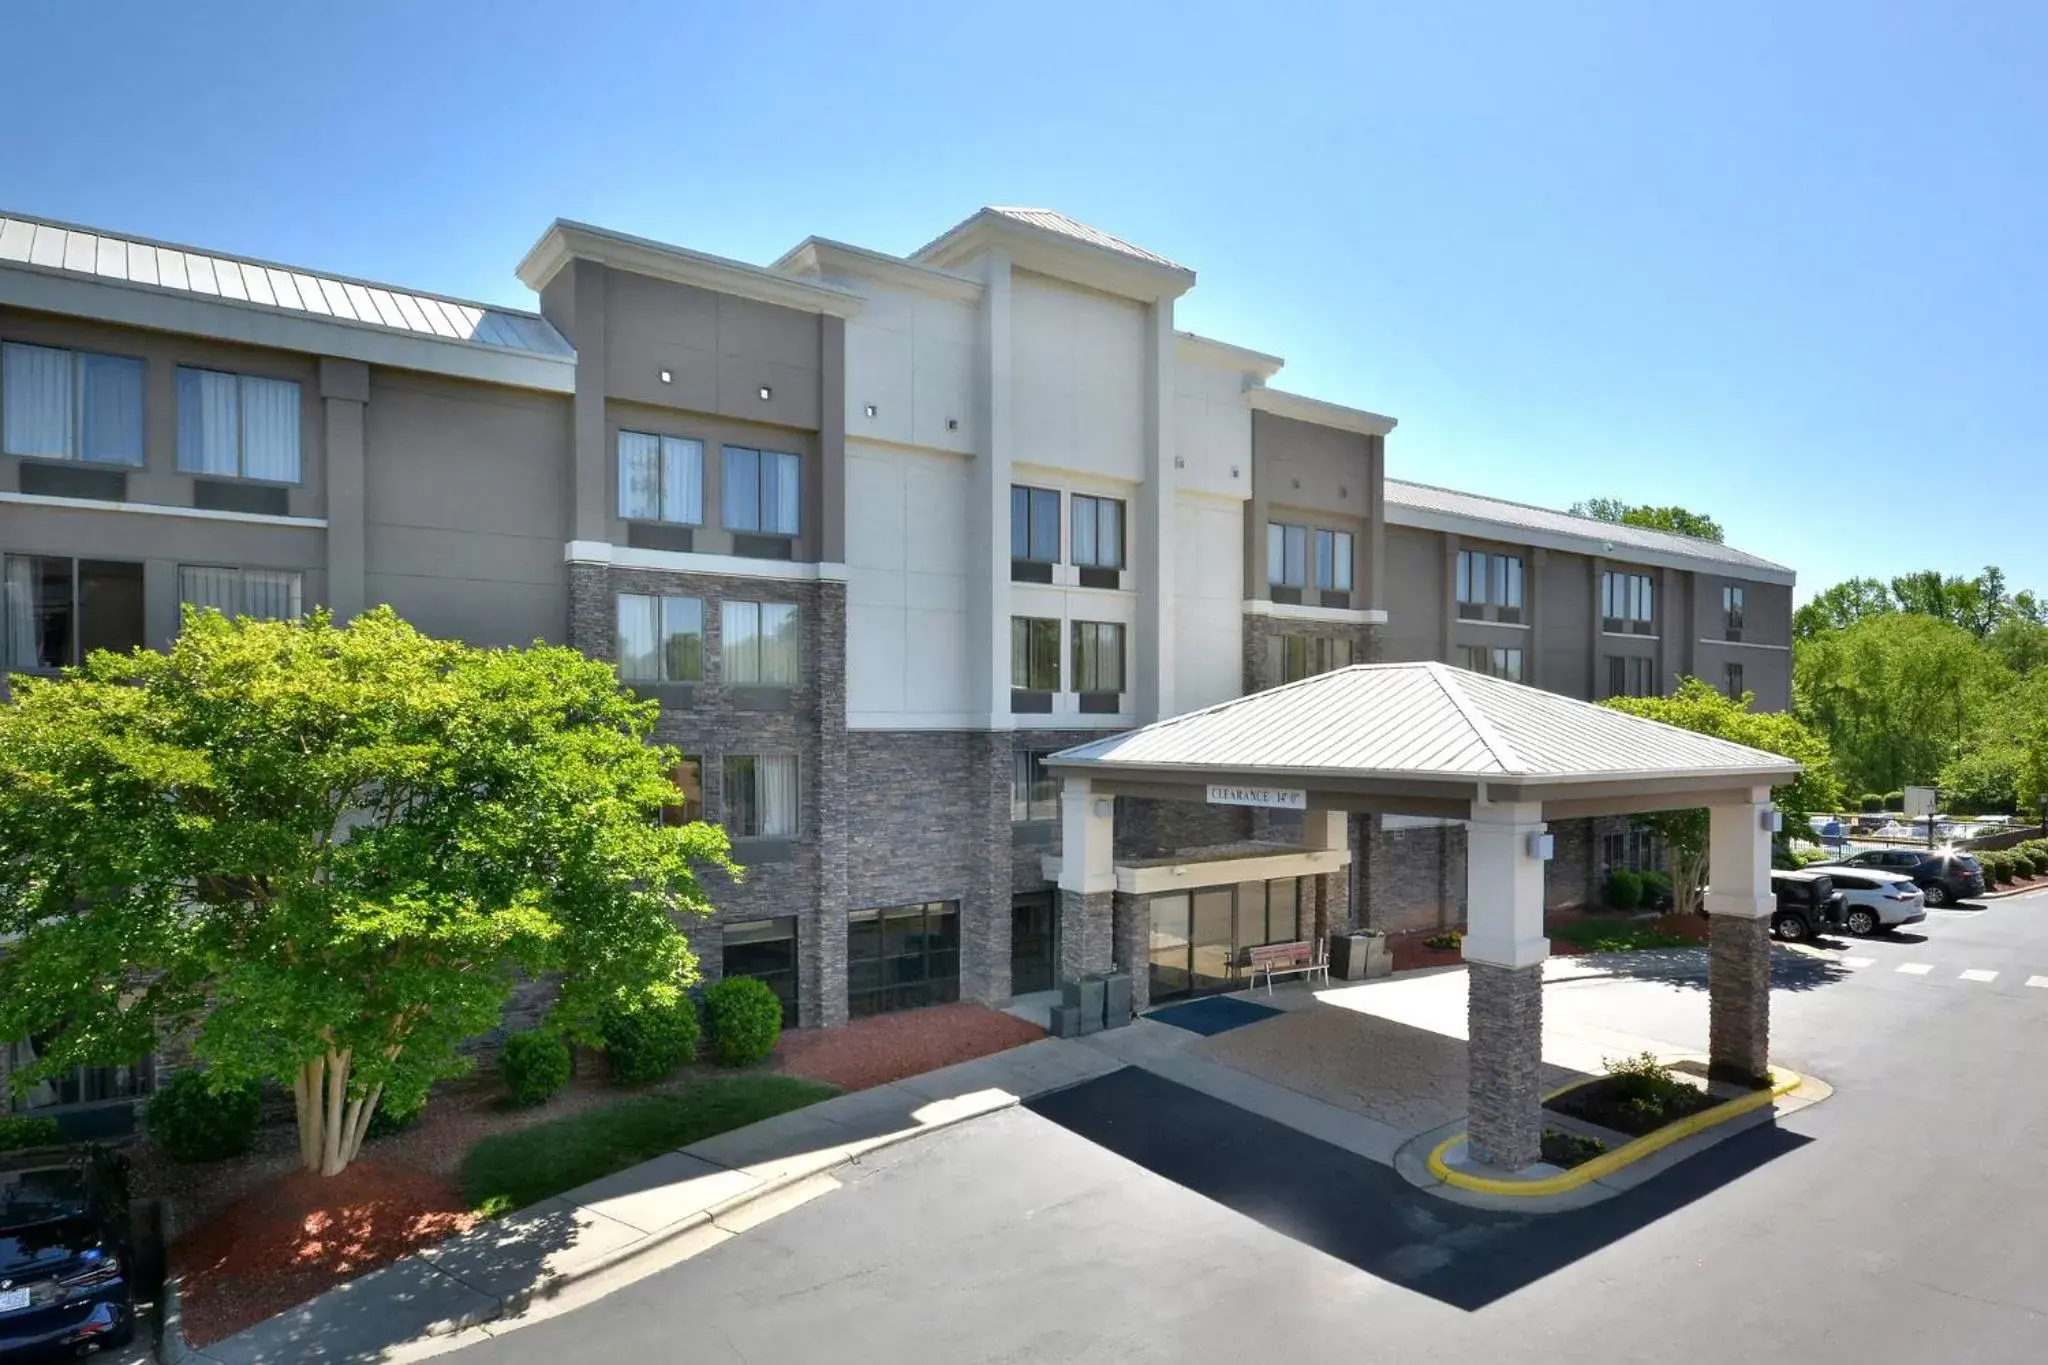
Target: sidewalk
<point>576,1247</point>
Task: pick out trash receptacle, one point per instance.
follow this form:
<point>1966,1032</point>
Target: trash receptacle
<point>1354,957</point>
<point>1116,1000</point>
<point>1086,996</point>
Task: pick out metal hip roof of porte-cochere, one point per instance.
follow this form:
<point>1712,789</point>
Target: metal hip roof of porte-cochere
<point>1425,720</point>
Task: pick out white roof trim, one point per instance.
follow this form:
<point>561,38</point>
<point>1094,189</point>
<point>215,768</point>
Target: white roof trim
<point>691,561</point>
<point>1302,408</point>
<point>823,256</point>
<point>565,241</point>
<point>1060,255</point>
<point>158,509</point>
<point>1224,356</point>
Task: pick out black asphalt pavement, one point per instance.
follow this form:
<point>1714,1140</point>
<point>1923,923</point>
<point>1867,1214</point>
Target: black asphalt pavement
<point>1130,1219</point>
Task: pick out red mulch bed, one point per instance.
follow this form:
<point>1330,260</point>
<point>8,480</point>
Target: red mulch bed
<point>1410,950</point>
<point>889,1047</point>
<point>304,1234</point>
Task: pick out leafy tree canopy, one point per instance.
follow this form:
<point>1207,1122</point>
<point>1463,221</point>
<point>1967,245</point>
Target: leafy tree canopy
<point>326,853</point>
<point>1674,519</point>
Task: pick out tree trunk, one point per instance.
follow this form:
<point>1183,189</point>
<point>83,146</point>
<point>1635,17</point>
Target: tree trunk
<point>331,1126</point>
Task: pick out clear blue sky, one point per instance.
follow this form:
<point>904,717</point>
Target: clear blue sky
<point>1779,263</point>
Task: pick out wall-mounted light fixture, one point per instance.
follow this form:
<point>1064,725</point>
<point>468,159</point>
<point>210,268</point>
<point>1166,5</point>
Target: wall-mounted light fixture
<point>667,378</point>
<point>952,424</point>
<point>1771,818</point>
<point>1180,462</point>
<point>1105,807</point>
<point>1542,847</point>
<point>870,409</point>
<point>766,393</point>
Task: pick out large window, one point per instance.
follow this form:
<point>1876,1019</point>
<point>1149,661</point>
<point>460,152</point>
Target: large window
<point>1489,586</point>
<point>1732,682</point>
<point>1286,555</point>
<point>765,949</point>
<point>1333,562</point>
<point>238,426</point>
<point>266,594</point>
<point>1098,532</point>
<point>1630,676</point>
<point>1627,603</point>
<point>762,643</point>
<point>1493,661</point>
<point>661,478</point>
<point>1034,791</point>
<point>1034,533</point>
<point>70,405</point>
<point>1034,654</point>
<point>1732,604</point>
<point>761,796</point>
<point>661,639</point>
<point>1098,663</point>
<point>763,491</point>
<point>688,779</point>
<point>902,957</point>
<point>83,1085</point>
<point>1304,656</point>
<point>56,611</point>
<point>1635,848</point>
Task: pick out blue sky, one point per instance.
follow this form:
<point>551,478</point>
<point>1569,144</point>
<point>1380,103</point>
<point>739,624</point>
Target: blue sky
<point>1781,264</point>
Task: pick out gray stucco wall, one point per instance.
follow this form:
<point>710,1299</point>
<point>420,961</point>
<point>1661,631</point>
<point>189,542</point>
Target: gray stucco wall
<point>1312,476</point>
<point>1564,636</point>
<point>1414,595</point>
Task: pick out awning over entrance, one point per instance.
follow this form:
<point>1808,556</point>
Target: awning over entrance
<point>1427,739</point>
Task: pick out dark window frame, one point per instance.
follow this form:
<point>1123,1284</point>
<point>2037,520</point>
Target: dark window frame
<point>80,364</point>
<point>1034,791</point>
<point>880,982</point>
<point>1094,634</point>
<point>661,439</point>
<point>1041,510</point>
<point>1039,649</point>
<point>664,665</point>
<point>76,645</point>
<point>1628,602</point>
<point>1075,502</point>
<point>725,480</point>
<point>1734,605</point>
<point>785,981</point>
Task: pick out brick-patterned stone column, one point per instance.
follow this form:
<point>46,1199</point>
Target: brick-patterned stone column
<point>1132,924</point>
<point>1505,1100</point>
<point>1739,999</point>
<point>1087,933</point>
<point>827,983</point>
<point>985,923</point>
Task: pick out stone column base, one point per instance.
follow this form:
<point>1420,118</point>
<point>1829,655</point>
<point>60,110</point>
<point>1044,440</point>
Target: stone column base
<point>1087,933</point>
<point>1504,1123</point>
<point>1133,921</point>
<point>1739,999</point>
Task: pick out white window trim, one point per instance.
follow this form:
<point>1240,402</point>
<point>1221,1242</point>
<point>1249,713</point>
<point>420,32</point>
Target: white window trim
<point>162,510</point>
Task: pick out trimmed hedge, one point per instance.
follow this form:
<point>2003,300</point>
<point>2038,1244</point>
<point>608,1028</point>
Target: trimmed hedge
<point>1624,890</point>
<point>644,1045</point>
<point>536,1065</point>
<point>192,1122</point>
<point>22,1131</point>
<point>1657,889</point>
<point>1895,801</point>
<point>744,1019</point>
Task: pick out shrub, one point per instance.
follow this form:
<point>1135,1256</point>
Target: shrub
<point>22,1131</point>
<point>1895,801</point>
<point>744,1019</point>
<point>1649,1087</point>
<point>1624,890</point>
<point>536,1065</point>
<point>1997,867</point>
<point>1657,892</point>
<point>642,1046</point>
<point>193,1122</point>
<point>2036,862</point>
<point>1872,802</point>
<point>392,1118</point>
<point>1450,940</point>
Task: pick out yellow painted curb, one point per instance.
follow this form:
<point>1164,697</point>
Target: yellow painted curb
<point>1783,1082</point>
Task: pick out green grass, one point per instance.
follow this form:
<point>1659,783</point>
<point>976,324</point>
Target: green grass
<point>511,1170</point>
<point>1615,936</point>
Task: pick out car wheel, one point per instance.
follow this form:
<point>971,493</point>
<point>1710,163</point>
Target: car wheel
<point>1791,928</point>
<point>1937,894</point>
<point>1861,922</point>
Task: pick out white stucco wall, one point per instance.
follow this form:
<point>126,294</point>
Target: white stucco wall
<point>1077,373</point>
<point>906,589</point>
<point>1212,430</point>
<point>1208,582</point>
<point>912,357</point>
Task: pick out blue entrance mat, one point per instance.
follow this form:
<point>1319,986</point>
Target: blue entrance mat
<point>1212,1014</point>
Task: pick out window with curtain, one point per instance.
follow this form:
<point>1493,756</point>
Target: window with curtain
<point>761,643</point>
<point>1627,603</point>
<point>1098,656</point>
<point>1733,600</point>
<point>1333,561</point>
<point>1098,532</point>
<point>1493,661</point>
<point>55,611</point>
<point>266,594</point>
<point>1489,586</point>
<point>661,478</point>
<point>70,405</point>
<point>762,491</point>
<point>1630,677</point>
<point>1034,654</point>
<point>761,796</point>
<point>1034,791</point>
<point>660,639</point>
<point>1035,524</point>
<point>238,426</point>
<point>1286,555</point>
<point>1304,656</point>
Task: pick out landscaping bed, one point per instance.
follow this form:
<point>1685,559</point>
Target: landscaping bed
<point>888,1047</point>
<point>1637,1096</point>
<point>1624,933</point>
<point>1566,1150</point>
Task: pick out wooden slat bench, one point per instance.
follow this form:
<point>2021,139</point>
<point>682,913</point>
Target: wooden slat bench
<point>1285,959</point>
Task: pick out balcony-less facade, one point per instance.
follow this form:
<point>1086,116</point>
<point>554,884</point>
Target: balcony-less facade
<point>878,532</point>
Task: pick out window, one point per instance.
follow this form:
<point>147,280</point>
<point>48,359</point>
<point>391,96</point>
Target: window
<point>1634,848</point>
<point>1034,791</point>
<point>760,796</point>
<point>1286,555</point>
<point>1733,685</point>
<point>661,478</point>
<point>1489,587</point>
<point>762,644</point>
<point>1492,661</point>
<point>1732,604</point>
<point>238,426</point>
<point>1333,561</point>
<point>1304,656</point>
<point>1098,659</point>
<point>765,949</point>
<point>688,777</point>
<point>84,1085</point>
<point>661,639</point>
<point>1034,654</point>
<point>70,405</point>
<point>902,957</point>
<point>1630,677</point>
<point>1098,532</point>
<point>1034,533</point>
<point>762,491</point>
<point>1627,603</point>
<point>266,594</point>
<point>57,611</point>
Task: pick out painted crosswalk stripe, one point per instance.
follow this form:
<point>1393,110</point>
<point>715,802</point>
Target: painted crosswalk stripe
<point>1916,968</point>
<point>1977,974</point>
<point>2041,981</point>
<point>1857,961</point>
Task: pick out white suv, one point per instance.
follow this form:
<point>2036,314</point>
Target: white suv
<point>1875,901</point>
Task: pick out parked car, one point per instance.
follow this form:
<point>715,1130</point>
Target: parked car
<point>1807,904</point>
<point>65,1255</point>
<point>1945,874</point>
<point>1874,901</point>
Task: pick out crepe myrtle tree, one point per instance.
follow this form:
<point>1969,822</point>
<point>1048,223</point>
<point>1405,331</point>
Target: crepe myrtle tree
<point>324,854</point>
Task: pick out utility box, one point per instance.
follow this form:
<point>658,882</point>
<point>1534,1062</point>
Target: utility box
<point>1116,1000</point>
<point>1355,957</point>
<point>1086,997</point>
<point>1066,1021</point>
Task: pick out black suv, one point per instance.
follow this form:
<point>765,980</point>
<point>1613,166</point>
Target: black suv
<point>1807,904</point>
<point>65,1257</point>
<point>1944,874</point>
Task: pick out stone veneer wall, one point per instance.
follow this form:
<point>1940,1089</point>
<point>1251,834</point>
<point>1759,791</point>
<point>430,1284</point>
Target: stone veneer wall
<point>1413,878</point>
<point>1262,654</point>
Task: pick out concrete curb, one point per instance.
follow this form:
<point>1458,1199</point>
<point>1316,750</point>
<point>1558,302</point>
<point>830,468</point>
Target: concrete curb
<point>171,1347</point>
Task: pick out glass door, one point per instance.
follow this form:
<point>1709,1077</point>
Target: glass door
<point>1034,944</point>
<point>1169,947</point>
<point>1212,939</point>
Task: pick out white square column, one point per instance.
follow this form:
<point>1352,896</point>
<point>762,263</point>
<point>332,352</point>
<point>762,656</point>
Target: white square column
<point>1087,880</point>
<point>1505,850</point>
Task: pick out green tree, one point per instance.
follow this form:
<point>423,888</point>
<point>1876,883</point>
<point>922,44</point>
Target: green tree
<point>1974,604</point>
<point>1841,606</point>
<point>325,854</point>
<point>1675,519</point>
<point>1699,707</point>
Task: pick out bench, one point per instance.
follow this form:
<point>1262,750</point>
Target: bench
<point>1286,959</point>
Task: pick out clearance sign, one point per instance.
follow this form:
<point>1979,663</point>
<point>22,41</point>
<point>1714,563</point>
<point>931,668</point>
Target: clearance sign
<point>1268,798</point>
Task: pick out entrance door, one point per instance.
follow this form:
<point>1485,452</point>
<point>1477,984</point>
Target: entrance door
<point>1034,938</point>
<point>1213,939</point>
<point>1169,946</point>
